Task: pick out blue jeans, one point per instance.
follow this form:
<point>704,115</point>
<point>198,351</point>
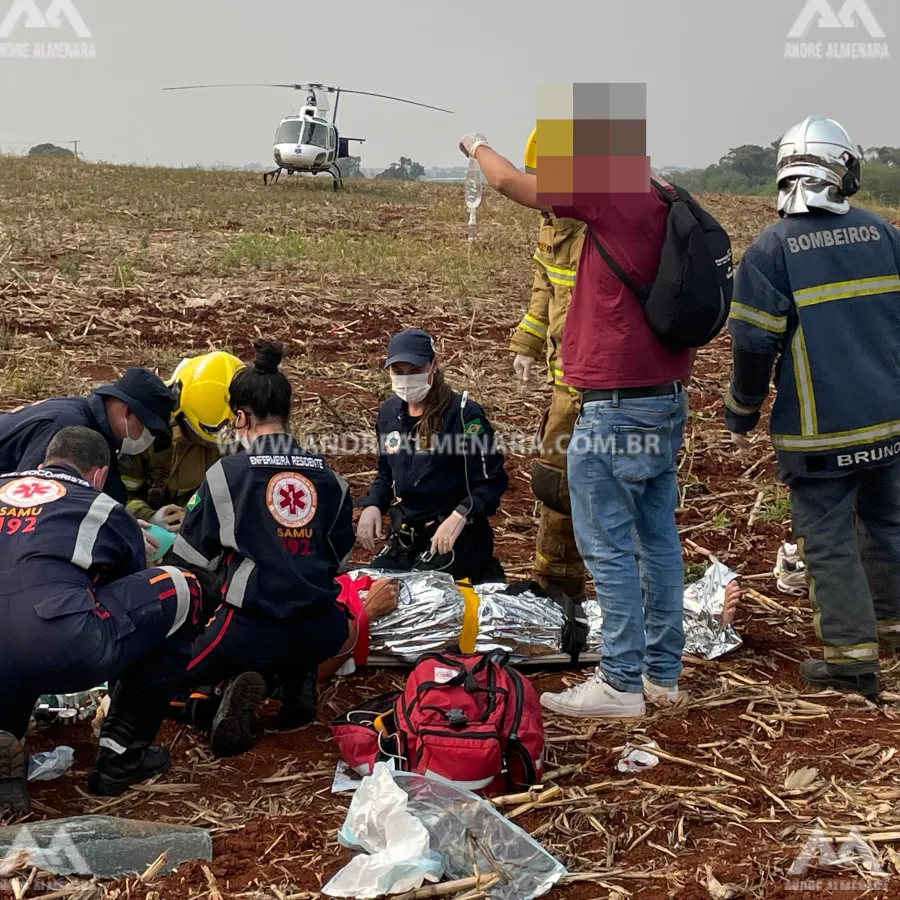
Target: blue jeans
<point>624,492</point>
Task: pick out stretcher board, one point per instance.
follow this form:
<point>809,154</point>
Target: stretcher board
<point>553,659</point>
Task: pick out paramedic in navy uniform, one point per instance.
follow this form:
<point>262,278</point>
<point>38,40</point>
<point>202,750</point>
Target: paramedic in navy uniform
<point>78,606</point>
<point>271,527</point>
<point>440,475</point>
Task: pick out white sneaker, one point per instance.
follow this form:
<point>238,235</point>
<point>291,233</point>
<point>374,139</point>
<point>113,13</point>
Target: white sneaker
<point>790,570</point>
<point>595,698</point>
<point>658,695</point>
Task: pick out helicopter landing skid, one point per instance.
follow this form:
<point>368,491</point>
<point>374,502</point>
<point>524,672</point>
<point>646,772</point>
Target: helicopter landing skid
<point>332,170</point>
<point>335,173</point>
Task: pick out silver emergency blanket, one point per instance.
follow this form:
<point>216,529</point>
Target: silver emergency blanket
<point>430,614</point>
<point>704,603</point>
<point>525,625</point>
<point>428,618</point>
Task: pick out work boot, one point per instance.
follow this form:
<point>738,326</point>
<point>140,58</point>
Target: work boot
<point>888,638</point>
<point>818,674</point>
<point>299,703</point>
<point>234,728</point>
<point>13,774</point>
<point>115,772</point>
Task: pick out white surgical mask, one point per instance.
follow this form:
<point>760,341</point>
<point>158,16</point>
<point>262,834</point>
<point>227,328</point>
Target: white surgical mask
<point>411,388</point>
<point>136,446</point>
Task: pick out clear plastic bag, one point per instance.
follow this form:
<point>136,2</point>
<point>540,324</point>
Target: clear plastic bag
<point>451,815</point>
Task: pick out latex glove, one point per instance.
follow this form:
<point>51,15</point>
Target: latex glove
<point>741,441</point>
<point>369,527</point>
<point>447,533</point>
<point>522,366</point>
<point>151,545</point>
<point>469,143</point>
<point>383,597</point>
<point>169,517</point>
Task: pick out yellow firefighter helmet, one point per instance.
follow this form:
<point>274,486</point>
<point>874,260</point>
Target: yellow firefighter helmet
<point>200,386</point>
<point>531,153</point>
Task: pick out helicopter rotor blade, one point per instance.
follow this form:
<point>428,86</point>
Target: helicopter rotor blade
<point>398,99</point>
<point>192,87</point>
<point>313,87</point>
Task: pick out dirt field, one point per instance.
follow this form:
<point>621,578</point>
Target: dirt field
<point>104,267</point>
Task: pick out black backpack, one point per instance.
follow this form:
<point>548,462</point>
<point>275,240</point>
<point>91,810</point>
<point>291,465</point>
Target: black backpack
<point>688,303</point>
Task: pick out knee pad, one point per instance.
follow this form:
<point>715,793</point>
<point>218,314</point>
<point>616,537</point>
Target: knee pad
<point>551,487</point>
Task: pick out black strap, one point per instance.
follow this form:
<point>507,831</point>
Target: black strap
<point>641,293</point>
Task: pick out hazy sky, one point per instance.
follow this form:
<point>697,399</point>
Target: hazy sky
<point>715,71</point>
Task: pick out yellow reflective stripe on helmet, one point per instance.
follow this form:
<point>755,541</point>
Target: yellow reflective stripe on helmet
<point>852,654</point>
<point>535,326</point>
<point>838,439</point>
<point>844,290</point>
<point>809,421</point>
<point>775,324</point>
<point>738,408</point>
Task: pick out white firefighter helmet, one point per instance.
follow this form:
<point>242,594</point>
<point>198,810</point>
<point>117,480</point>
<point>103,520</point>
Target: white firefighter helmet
<point>817,167</point>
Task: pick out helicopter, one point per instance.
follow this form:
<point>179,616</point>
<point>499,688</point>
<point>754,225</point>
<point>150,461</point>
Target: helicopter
<point>309,141</point>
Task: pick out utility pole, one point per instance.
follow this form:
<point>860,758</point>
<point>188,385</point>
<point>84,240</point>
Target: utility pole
<point>76,143</point>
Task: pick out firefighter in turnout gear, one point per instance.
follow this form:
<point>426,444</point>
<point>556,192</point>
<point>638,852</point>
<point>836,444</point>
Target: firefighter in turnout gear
<point>557,561</point>
<point>269,529</point>
<point>818,296</point>
<point>440,474</point>
<point>79,608</point>
<point>160,482</point>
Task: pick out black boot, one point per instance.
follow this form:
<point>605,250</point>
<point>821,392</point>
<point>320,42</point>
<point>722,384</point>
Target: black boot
<point>127,755</point>
<point>818,674</point>
<point>299,703</point>
<point>235,727</point>
<point>115,772</point>
<point>13,774</point>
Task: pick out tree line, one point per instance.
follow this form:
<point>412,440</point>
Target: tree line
<point>750,170</point>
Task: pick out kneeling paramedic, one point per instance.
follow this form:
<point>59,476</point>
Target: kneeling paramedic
<point>440,475</point>
<point>269,530</point>
<point>79,608</point>
<point>818,296</point>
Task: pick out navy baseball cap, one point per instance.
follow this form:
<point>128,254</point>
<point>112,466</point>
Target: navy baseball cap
<point>412,346</point>
<point>150,400</point>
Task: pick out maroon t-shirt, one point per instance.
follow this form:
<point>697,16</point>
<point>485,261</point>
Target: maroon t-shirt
<point>607,342</point>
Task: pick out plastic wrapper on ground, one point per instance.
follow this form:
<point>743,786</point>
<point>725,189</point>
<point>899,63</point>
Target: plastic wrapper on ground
<point>525,625</point>
<point>450,814</point>
<point>428,618</point>
<point>704,603</point>
<point>397,853</point>
<point>99,845</point>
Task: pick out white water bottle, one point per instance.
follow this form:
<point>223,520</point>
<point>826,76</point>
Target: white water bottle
<point>473,193</point>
